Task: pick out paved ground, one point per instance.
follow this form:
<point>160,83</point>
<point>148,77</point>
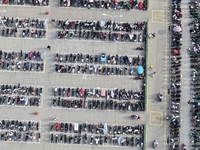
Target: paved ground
<point>185,70</point>
<point>158,57</point>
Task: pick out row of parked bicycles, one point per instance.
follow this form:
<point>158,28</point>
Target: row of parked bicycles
<point>105,4</point>
<point>99,59</point>
<point>98,99</point>
<point>97,140</point>
<point>20,130</point>
<point>98,128</point>
<point>21,55</point>
<point>74,67</point>
<point>96,30</point>
<point>22,66</point>
<point>35,28</point>
<point>101,36</point>
<point>17,136</point>
<point>176,42</point>
<point>20,95</point>
<point>98,104</point>
<point>26,2</point>
<point>97,134</point>
<point>23,23</point>
<point>20,101</point>
<point>19,125</point>
<point>22,61</point>
<point>94,69</point>
<point>27,33</point>
<point>120,94</point>
<point>101,25</point>
<point>37,34</point>
<point>18,89</point>
<point>9,32</point>
<point>174,118</point>
<point>194,62</point>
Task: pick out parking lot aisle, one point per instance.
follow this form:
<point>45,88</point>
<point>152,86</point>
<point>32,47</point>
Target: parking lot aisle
<point>50,79</point>
<point>186,79</point>
<point>158,57</point>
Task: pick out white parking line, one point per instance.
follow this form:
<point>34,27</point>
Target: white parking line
<point>89,87</point>
<point>10,71</point>
<point>99,41</point>
<point>20,106</point>
<point>26,38</point>
<point>87,109</point>
<point>88,144</point>
<point>18,5</point>
<point>28,142</point>
<point>88,75</point>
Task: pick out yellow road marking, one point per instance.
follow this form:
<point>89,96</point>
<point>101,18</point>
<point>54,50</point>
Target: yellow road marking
<point>165,102</point>
<point>158,16</point>
<point>156,118</point>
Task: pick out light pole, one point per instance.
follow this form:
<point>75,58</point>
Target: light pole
<point>112,19</point>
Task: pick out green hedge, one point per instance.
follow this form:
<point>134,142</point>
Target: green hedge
<point>146,55</point>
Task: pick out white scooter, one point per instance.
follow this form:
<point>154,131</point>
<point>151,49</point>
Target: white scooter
<point>160,97</point>
<point>155,143</point>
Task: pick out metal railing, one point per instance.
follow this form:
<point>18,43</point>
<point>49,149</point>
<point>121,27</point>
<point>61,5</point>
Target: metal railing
<point>146,72</point>
<point>146,80</point>
<point>145,145</point>
<point>147,4</point>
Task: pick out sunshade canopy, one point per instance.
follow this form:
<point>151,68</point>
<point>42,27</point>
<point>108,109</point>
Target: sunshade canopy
<point>140,70</point>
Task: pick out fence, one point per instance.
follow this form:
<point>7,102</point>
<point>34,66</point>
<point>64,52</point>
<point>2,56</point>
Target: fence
<point>146,78</point>
<point>147,1</point>
<point>144,145</point>
<point>146,72</point>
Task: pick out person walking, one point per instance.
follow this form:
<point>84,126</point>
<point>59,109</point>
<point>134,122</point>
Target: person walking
<point>188,102</point>
<point>151,67</point>
<point>55,118</point>
<point>153,74</point>
<point>154,35</point>
<point>53,20</point>
<point>49,47</point>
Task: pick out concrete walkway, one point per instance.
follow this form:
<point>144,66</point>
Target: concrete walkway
<point>158,57</point>
<point>185,82</point>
